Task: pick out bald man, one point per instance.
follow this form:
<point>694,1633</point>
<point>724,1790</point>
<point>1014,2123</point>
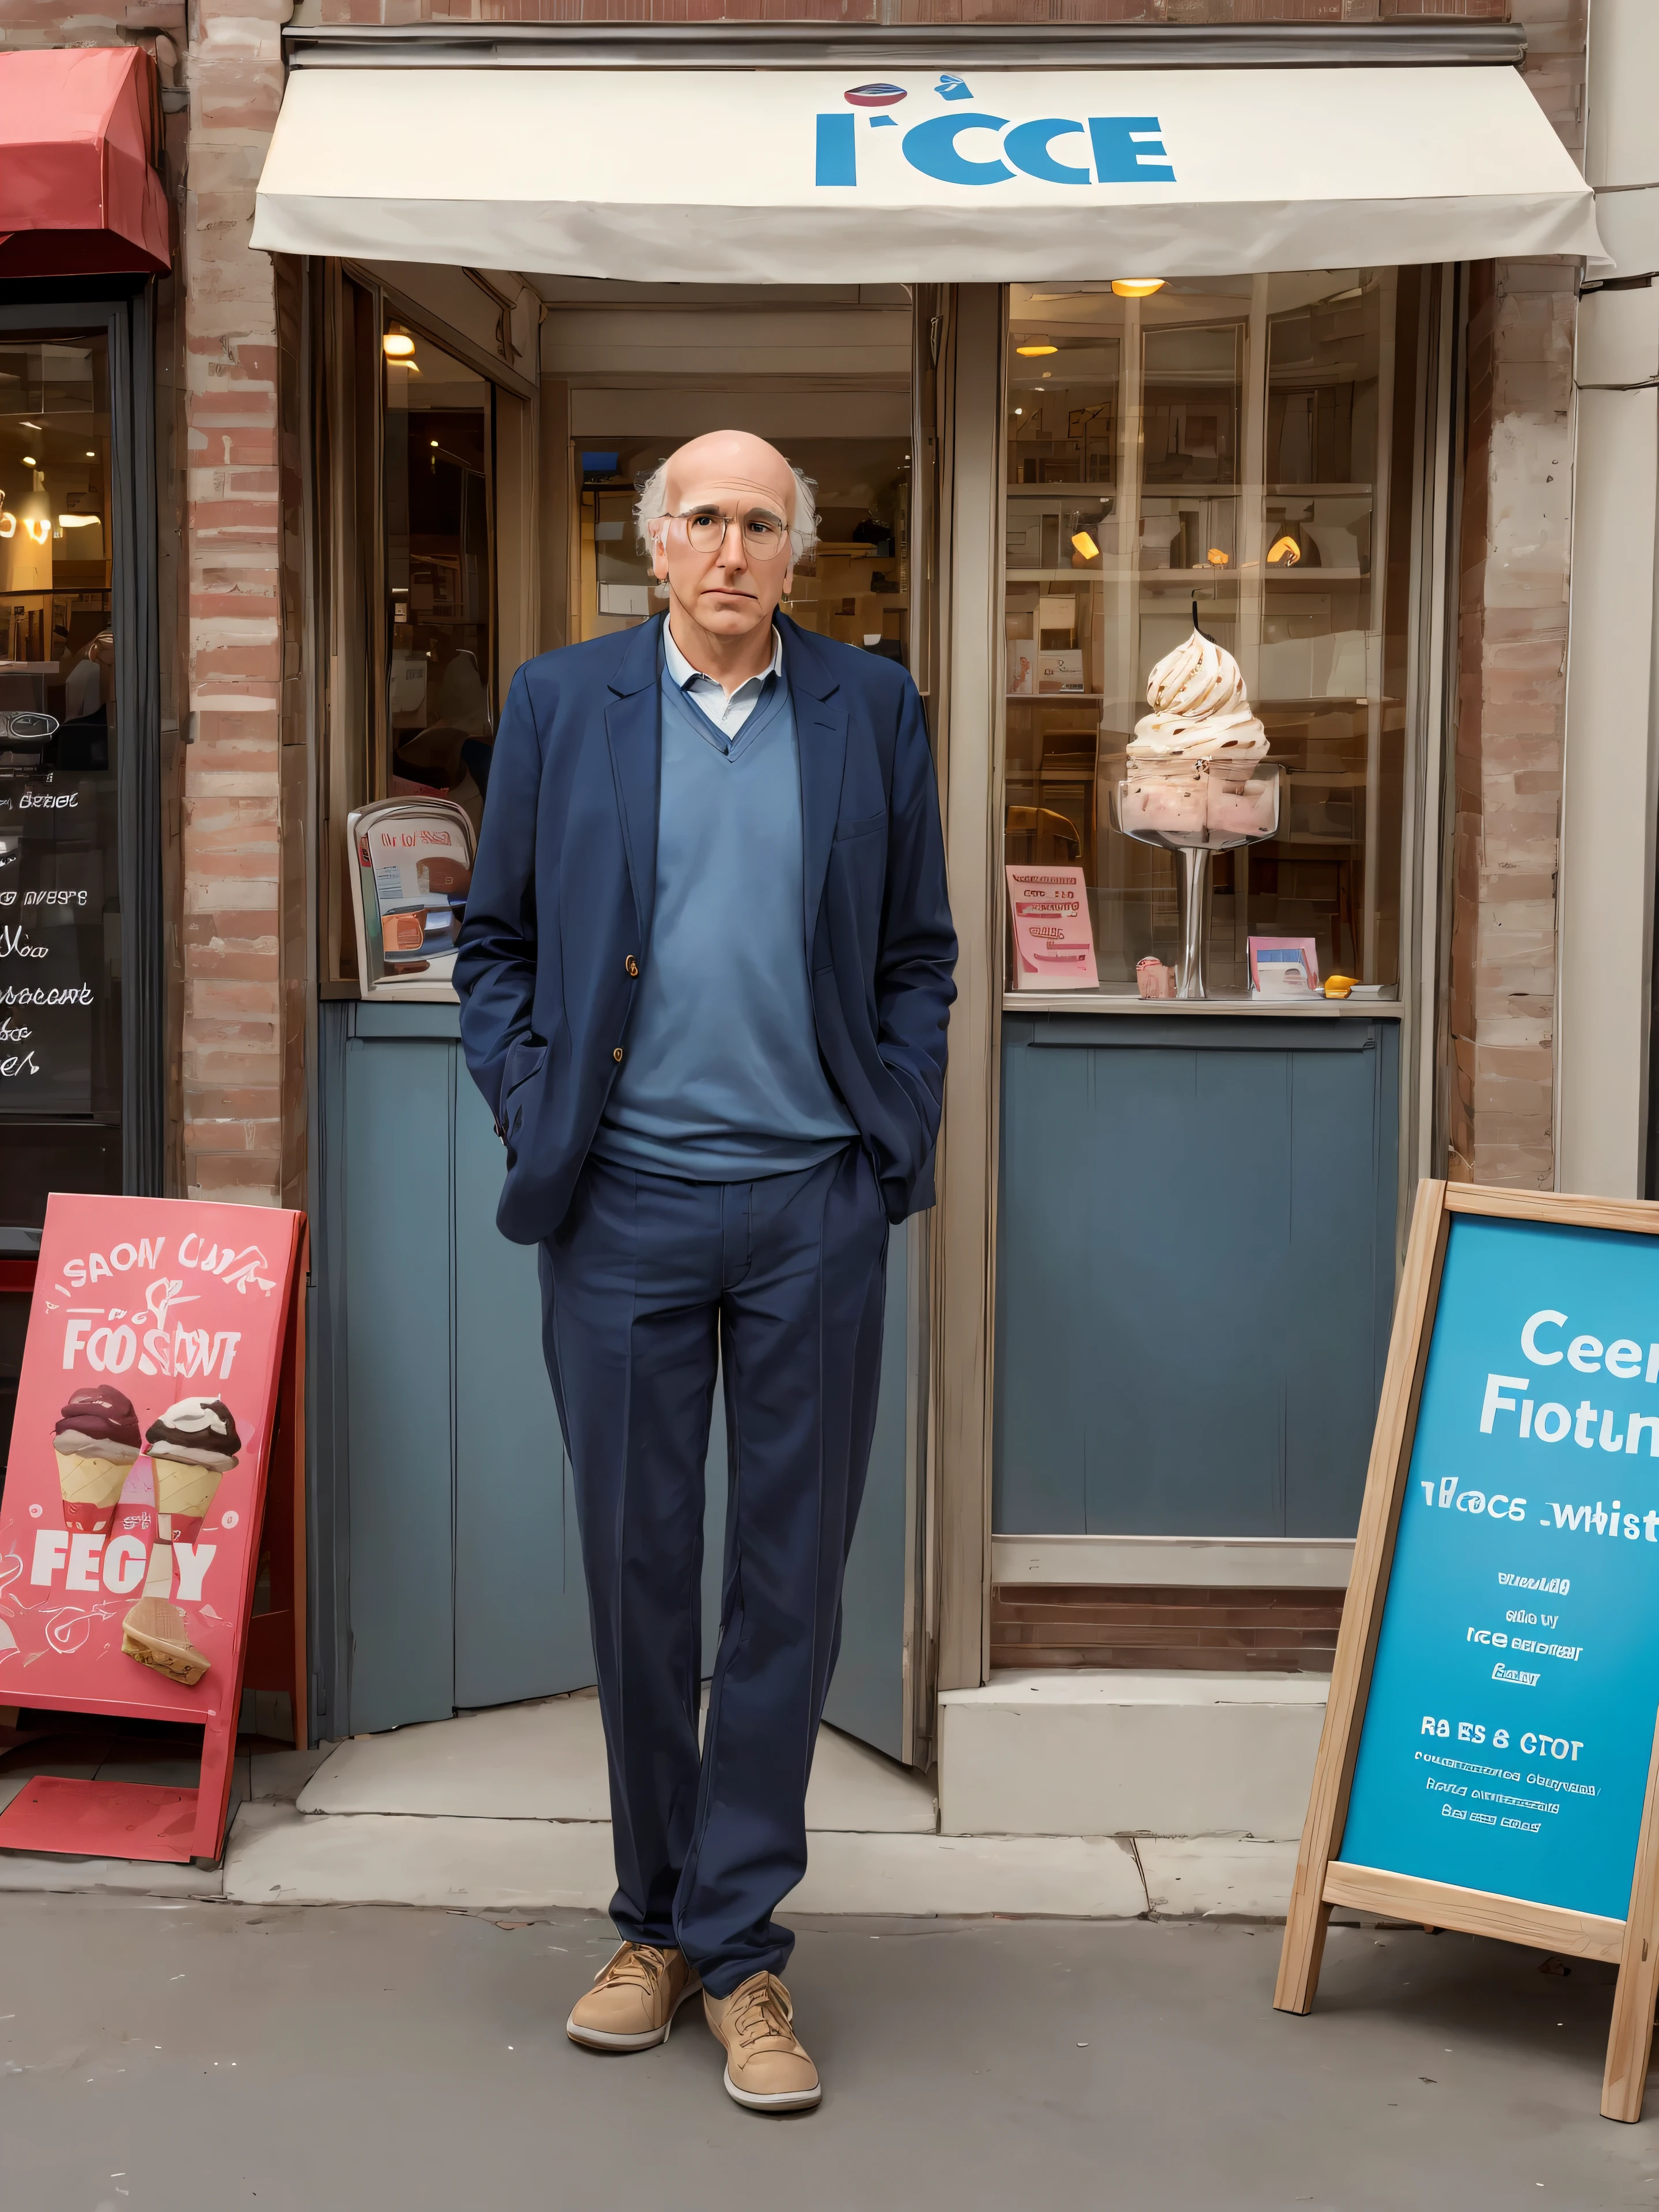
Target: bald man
<point>705,974</point>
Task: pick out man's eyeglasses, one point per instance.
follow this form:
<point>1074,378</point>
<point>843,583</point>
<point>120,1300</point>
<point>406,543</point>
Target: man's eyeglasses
<point>765,536</point>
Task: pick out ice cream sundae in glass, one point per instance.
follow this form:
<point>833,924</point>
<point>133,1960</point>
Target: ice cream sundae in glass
<point>1196,779</point>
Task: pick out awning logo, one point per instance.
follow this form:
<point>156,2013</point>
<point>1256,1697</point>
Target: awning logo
<point>964,146</point>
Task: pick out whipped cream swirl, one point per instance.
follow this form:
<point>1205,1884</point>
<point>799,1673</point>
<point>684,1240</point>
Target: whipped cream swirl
<point>1201,709</point>
<point>201,1430</point>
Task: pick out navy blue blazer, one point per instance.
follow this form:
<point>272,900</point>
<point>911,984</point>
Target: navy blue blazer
<point>558,918</point>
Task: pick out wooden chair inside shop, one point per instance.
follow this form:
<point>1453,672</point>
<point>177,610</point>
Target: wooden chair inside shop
<point>1038,837</point>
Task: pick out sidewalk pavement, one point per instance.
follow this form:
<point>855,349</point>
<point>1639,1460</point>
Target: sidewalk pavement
<point>171,2055</point>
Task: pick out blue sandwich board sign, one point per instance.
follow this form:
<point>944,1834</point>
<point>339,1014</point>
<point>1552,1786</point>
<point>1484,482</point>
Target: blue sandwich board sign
<point>1488,1757</point>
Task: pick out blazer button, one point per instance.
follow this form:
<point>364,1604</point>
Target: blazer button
<point>631,964</point>
<point>617,1055</point>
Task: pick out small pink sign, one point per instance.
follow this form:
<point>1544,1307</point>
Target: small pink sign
<point>1053,943</point>
<point>1283,967</point>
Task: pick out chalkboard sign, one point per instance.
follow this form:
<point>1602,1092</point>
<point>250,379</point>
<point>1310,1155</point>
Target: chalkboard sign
<point>59,935</point>
<point>1488,1757</point>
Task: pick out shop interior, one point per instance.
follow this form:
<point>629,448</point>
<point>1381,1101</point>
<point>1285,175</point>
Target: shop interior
<point>1223,452</point>
<point>824,374</point>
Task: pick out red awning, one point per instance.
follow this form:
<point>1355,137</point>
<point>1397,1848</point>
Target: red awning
<point>80,195</point>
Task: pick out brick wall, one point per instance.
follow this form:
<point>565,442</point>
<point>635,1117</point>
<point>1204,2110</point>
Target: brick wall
<point>1222,1629</point>
<point>1511,647</point>
<point>234,1067</point>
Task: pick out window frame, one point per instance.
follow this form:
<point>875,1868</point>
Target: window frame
<point>351,305</point>
<point>124,319</point>
<point>1424,615</point>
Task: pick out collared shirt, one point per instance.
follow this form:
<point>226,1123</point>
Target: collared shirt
<point>727,711</point>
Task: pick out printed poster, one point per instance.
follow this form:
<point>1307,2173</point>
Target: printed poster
<point>1510,1722</point>
<point>130,1520</point>
<point>1053,941</point>
<point>1283,967</point>
<point>416,865</point>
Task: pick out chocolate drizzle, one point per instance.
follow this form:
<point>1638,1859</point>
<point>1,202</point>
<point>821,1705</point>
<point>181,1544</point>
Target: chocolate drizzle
<point>100,1414</point>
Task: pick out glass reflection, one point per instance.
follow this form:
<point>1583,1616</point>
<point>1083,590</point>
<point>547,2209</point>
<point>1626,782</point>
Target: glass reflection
<point>1222,448</point>
<point>60,906</point>
<point>439,708</point>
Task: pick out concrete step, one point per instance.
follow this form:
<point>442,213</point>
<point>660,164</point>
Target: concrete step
<point>545,1761</point>
<point>282,1857</point>
<point>1109,1752</point>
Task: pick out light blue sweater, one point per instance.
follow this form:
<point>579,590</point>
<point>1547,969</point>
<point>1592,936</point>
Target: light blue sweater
<point>721,1081</point>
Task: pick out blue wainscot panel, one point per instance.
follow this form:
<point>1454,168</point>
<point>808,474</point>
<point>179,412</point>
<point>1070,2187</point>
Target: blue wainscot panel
<point>453,1525</point>
<point>462,1565</point>
<point>1196,1272</point>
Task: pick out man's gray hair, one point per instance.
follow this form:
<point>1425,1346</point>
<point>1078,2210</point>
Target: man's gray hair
<point>652,506</point>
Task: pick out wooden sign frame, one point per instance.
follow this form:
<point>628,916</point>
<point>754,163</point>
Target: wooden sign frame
<point>148,1821</point>
<point>1322,1880</point>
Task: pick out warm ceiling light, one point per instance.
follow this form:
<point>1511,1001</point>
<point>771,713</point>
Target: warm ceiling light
<point>397,345</point>
<point>1030,352</point>
<point>1216,557</point>
<point>91,453</point>
<point>1086,545</point>
<point>1136,288</point>
<point>1019,410</point>
<point>1285,550</point>
<point>31,426</point>
<point>434,445</point>
<point>76,521</point>
<point>29,460</point>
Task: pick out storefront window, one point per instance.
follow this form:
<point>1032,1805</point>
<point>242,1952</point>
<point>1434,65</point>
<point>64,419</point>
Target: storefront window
<point>856,586</point>
<point>60,908</point>
<point>441,712</point>
<point>1230,451</point>
<point>836,398</point>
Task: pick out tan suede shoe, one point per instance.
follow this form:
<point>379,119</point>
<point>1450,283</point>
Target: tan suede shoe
<point>634,1997</point>
<point>766,2068</point>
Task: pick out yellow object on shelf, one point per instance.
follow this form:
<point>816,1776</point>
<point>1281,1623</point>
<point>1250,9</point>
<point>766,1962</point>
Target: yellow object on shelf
<point>1338,987</point>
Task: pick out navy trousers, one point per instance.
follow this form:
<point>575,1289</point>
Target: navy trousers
<point>647,1277</point>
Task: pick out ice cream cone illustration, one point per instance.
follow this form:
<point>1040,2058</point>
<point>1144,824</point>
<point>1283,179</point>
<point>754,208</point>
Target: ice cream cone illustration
<point>192,1448</point>
<point>96,1440</point>
<point>155,1632</point>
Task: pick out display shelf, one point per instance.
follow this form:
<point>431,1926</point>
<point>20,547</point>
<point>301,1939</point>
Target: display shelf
<point>1287,573</point>
<point>1121,575</point>
<point>1111,1002</point>
<point>1066,490</point>
<point>1089,575</point>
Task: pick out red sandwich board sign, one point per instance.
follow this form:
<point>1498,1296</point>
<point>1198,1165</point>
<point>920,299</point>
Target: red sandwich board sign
<point>165,1352</point>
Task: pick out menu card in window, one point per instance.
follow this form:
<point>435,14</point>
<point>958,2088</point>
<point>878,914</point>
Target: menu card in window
<point>1053,939</point>
<point>1283,967</point>
<point>413,868</point>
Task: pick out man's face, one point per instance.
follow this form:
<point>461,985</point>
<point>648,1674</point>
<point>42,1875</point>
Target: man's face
<point>713,550</point>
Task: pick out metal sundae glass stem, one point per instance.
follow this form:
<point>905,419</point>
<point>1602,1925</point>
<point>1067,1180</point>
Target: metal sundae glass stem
<point>1194,888</point>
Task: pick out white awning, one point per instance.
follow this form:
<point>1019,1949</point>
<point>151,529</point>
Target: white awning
<point>758,176</point>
